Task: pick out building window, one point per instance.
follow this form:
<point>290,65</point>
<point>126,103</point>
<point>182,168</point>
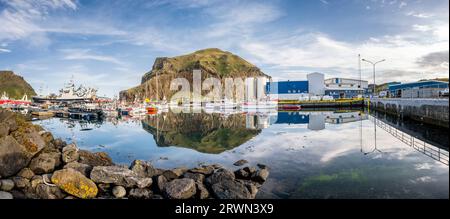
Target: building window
<point>294,91</point>
<point>340,85</point>
<point>289,91</point>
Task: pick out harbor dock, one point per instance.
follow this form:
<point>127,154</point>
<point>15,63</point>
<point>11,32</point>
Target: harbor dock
<point>430,111</point>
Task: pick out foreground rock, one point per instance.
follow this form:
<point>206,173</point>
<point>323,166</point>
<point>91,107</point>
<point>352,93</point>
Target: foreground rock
<point>5,195</point>
<point>119,176</point>
<point>75,183</point>
<point>180,189</point>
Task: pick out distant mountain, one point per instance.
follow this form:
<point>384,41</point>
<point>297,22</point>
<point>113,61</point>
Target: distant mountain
<point>212,62</point>
<point>14,85</point>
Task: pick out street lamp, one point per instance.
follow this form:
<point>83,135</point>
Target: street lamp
<point>373,64</point>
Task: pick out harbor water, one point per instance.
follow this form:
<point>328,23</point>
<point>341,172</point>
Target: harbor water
<point>311,154</point>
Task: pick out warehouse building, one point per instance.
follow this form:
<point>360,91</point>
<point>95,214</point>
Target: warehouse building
<point>316,85</point>
<point>420,89</point>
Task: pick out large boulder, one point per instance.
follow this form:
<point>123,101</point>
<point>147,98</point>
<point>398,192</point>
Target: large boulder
<point>94,159</point>
<point>202,192</point>
<point>219,176</point>
<point>119,176</point>
<point>140,193</point>
<point>174,173</point>
<point>5,195</point>
<point>70,153</point>
<point>29,137</point>
<point>26,173</point>
<point>6,184</point>
<point>75,183</point>
<point>161,181</point>
<point>8,119</point>
<point>21,183</point>
<point>143,168</point>
<point>14,156</point>
<point>45,163</point>
<point>180,189</point>
<point>80,167</point>
<point>260,176</point>
<point>197,177</point>
<point>224,186</point>
<point>49,192</point>
<point>230,189</point>
<point>119,191</point>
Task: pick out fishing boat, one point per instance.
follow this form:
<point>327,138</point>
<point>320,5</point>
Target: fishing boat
<point>69,94</point>
<point>5,100</point>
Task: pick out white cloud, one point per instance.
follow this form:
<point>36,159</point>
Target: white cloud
<point>19,18</point>
<point>3,50</point>
<point>85,54</point>
<point>402,4</point>
<point>324,2</point>
<point>319,52</point>
<point>419,15</point>
<point>422,28</point>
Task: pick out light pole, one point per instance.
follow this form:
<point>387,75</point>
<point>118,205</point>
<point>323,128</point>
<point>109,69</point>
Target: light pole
<point>373,64</point>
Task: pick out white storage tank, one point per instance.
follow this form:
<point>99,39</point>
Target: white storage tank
<point>316,83</point>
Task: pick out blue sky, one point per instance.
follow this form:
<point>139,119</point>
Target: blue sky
<point>110,44</point>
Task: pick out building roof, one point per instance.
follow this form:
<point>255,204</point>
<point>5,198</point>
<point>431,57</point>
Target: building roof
<point>346,79</point>
<point>431,83</point>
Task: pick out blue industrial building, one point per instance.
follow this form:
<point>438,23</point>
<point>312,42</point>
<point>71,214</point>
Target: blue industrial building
<point>342,93</point>
<point>287,87</point>
<point>396,90</point>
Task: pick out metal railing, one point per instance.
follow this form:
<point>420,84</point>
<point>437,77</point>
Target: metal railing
<point>429,150</point>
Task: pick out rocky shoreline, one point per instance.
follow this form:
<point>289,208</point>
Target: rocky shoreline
<point>34,165</point>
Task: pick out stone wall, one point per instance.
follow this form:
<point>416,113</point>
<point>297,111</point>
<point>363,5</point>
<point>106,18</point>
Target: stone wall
<point>430,111</point>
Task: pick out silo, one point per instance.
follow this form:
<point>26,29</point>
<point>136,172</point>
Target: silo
<point>316,83</point>
<point>250,95</point>
<point>261,88</point>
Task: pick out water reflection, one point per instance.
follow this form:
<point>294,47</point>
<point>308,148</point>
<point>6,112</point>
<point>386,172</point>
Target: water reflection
<point>207,133</point>
<point>312,154</point>
<point>215,133</point>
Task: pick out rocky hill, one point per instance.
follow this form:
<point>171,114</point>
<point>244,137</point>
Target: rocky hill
<point>212,62</point>
<point>14,85</point>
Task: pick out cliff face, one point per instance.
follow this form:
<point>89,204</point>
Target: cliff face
<point>14,86</point>
<point>206,133</point>
<point>212,63</point>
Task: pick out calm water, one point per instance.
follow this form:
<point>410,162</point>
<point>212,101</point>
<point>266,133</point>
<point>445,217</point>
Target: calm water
<point>318,154</point>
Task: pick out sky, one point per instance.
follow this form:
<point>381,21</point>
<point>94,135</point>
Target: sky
<point>109,45</point>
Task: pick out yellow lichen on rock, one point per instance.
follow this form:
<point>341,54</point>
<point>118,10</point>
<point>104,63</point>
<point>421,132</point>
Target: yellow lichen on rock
<point>75,183</point>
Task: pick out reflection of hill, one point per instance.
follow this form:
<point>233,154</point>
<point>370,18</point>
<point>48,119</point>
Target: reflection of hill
<point>208,133</point>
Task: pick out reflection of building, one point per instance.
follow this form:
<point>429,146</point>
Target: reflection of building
<point>314,120</point>
<point>318,86</point>
<point>344,117</point>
